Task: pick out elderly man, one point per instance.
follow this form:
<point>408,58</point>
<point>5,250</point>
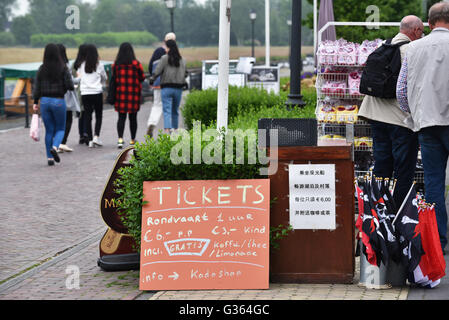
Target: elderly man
<point>395,145</point>
<point>423,90</point>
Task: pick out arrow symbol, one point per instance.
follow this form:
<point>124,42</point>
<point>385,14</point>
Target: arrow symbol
<point>175,276</point>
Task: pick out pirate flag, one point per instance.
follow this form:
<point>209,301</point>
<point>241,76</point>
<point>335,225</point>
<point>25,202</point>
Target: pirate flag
<point>366,248</point>
<point>384,206</point>
<point>407,225</point>
<point>374,247</point>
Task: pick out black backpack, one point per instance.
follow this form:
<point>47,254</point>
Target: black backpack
<point>380,75</point>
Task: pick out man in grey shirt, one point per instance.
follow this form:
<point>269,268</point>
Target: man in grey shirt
<point>423,92</point>
<point>395,145</point>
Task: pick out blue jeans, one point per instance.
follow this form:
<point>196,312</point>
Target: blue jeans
<point>395,151</point>
<point>53,112</point>
<point>171,99</point>
<point>434,143</point>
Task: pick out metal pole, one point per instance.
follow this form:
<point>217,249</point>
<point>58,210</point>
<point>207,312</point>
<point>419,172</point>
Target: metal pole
<point>171,21</point>
<point>27,115</point>
<point>252,38</point>
<point>295,97</point>
<point>2,94</point>
<point>289,44</point>
<point>223,63</point>
<point>267,33</point>
<point>315,27</point>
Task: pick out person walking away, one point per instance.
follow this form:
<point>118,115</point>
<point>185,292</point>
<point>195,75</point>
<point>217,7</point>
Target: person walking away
<point>129,76</point>
<point>423,91</point>
<point>80,58</point>
<point>52,81</point>
<point>93,77</point>
<point>395,145</point>
<point>172,70</point>
<point>72,104</point>
<point>156,109</point>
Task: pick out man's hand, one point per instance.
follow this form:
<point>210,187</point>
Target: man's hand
<point>35,107</point>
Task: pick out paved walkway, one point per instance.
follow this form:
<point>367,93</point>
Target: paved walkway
<point>51,228</point>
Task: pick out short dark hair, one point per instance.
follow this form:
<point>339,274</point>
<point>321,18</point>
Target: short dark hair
<point>439,12</point>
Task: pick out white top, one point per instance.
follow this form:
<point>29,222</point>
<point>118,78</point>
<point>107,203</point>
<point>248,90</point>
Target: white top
<point>92,83</point>
<point>428,80</point>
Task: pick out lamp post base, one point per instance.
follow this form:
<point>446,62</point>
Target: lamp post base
<point>295,100</point>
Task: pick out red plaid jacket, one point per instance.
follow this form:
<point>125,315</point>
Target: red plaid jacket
<point>128,80</point>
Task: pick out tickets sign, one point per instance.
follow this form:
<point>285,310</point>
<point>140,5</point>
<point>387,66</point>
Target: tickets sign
<point>205,234</point>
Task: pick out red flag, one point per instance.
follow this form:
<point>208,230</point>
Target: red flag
<point>432,262</point>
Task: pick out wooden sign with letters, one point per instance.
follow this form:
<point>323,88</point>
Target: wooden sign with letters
<point>205,234</point>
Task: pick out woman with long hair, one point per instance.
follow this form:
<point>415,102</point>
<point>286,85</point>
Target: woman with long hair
<point>93,77</point>
<point>52,81</point>
<point>172,70</point>
<point>80,58</point>
<point>72,104</point>
<point>129,76</point>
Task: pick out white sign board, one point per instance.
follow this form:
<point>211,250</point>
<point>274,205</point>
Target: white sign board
<point>266,78</point>
<point>312,196</point>
<point>210,74</point>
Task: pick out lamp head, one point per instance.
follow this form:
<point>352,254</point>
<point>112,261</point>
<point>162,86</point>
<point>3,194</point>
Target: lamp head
<point>252,15</point>
<point>171,4</point>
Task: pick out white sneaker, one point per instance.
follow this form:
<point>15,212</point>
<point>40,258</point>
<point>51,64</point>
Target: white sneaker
<point>120,143</point>
<point>91,144</point>
<point>65,148</point>
<point>97,141</point>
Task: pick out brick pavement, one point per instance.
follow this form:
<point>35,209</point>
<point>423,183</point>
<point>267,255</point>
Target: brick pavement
<point>56,282</point>
<point>48,209</point>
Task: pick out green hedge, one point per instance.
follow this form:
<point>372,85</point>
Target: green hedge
<point>250,118</point>
<point>107,39</point>
<point>7,39</point>
<point>202,105</point>
<point>154,164</point>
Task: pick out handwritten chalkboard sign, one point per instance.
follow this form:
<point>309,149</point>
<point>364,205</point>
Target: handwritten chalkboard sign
<point>205,234</point>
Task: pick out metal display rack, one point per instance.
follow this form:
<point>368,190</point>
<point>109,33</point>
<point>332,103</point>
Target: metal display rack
<point>338,103</point>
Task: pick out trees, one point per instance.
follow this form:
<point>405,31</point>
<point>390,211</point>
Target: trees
<point>117,16</point>
<point>196,23</point>
<point>5,12</point>
<point>23,28</point>
<point>155,18</point>
<point>50,15</point>
<point>356,10</point>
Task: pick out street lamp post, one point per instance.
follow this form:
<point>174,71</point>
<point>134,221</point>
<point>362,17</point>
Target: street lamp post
<point>289,24</point>
<point>252,17</point>
<point>295,97</point>
<point>171,5</point>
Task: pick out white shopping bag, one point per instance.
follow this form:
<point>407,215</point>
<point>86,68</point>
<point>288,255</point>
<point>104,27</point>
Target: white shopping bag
<point>35,127</point>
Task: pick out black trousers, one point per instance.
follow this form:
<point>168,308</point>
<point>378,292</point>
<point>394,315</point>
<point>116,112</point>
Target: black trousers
<point>68,126</point>
<point>132,124</point>
<point>92,103</point>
